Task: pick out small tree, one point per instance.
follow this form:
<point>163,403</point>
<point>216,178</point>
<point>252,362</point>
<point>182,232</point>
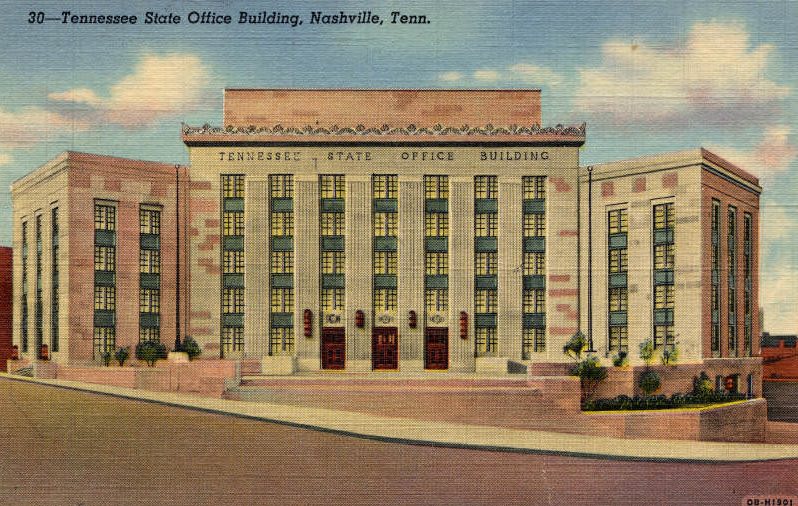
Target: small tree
<point>150,351</point>
<point>590,375</point>
<point>122,354</point>
<point>670,355</point>
<point>647,352</point>
<point>702,385</point>
<point>191,347</point>
<point>649,382</point>
<point>106,358</point>
<point>575,345</point>
<point>621,359</point>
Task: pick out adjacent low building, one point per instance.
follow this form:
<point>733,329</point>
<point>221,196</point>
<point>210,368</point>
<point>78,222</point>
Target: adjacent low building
<point>405,230</point>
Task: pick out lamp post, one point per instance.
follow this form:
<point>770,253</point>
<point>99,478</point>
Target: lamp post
<point>177,258</point>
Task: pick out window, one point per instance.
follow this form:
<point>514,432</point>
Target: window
<point>54,313</point>
<point>486,341</point>
<point>233,262</point>
<point>104,258</point>
<point>619,339</point>
<point>436,187</point>
<point>485,301</point>
<point>534,225</point>
<point>436,299</point>
<point>384,262</point>
<point>104,298</point>
<point>281,341</point>
<point>617,221</point>
<point>663,336</point>
<point>104,217</point>
<point>282,300</point>
<point>24,323</point>
<point>664,217</point>
<point>233,186</point>
<point>486,187</point>
<point>232,300</point>
<point>332,299</point>
<point>664,256</point>
<point>663,297</point>
<point>149,261</point>
<point>732,279</point>
<point>534,263</point>
<point>437,263</point>
<point>385,299</point>
<point>534,187</point>
<point>332,186</point>
<point>532,340</point>
<point>332,224</point>
<point>282,186</point>
<point>715,278</point>
<point>386,224</point>
<point>104,340</point>
<point>232,339</point>
<point>486,263</point>
<point>233,223</point>
<point>487,224</point>
<point>332,262</point>
<point>149,300</point>
<point>534,300</point>
<point>619,298</point>
<point>149,221</point>
<point>618,260</point>
<point>149,334</point>
<point>385,187</point>
<point>282,224</point>
<point>282,262</point>
<point>436,224</point>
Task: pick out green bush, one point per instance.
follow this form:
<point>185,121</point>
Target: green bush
<point>191,347</point>
<point>590,374</point>
<point>649,382</point>
<point>670,355</point>
<point>575,345</point>
<point>150,351</point>
<point>621,359</point>
<point>677,400</point>
<point>122,354</point>
<point>647,351</point>
<point>106,358</point>
<point>702,386</point>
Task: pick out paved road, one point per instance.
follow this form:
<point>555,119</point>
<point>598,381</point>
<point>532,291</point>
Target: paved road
<point>67,447</point>
<point>782,400</point>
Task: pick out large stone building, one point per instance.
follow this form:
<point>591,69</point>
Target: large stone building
<point>402,230</point>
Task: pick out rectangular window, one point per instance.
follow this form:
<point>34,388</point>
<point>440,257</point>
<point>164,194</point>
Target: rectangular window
<point>332,262</point>
<point>747,284</point>
<point>282,262</point>
<point>282,224</point>
<point>385,186</point>
<point>104,341</point>
<point>385,262</point>
<point>233,223</point>
<point>386,224</point>
<point>715,281</point>
<point>534,301</point>
<point>533,340</point>
<point>664,216</point>
<point>332,224</point>
<point>281,186</point>
<point>619,339</point>
<point>104,217</point>
<point>436,187</point>
<point>281,341</point>
<point>534,263</point>
<point>149,334</point>
<point>233,262</point>
<point>619,299</point>
<point>486,263</point>
<point>385,299</point>
<point>534,187</point>
<point>618,261</point>
<point>486,301</point>
<point>24,301</point>
<point>233,186</point>
<point>282,300</point>
<point>663,297</point>
<point>149,221</point>
<point>663,336</point>
<point>486,341</point>
<point>149,261</point>
<point>54,313</point>
<point>104,258</point>
<point>332,299</point>
<point>732,279</point>
<point>149,300</point>
<point>104,298</point>
<point>232,300</point>
<point>617,221</point>
<point>487,224</point>
<point>664,256</point>
<point>534,225</point>
<point>486,187</point>
<point>436,224</point>
<point>332,186</point>
<point>232,339</point>
<point>436,299</point>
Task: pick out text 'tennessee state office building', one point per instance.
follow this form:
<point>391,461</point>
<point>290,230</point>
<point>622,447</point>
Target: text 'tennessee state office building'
<point>408,230</point>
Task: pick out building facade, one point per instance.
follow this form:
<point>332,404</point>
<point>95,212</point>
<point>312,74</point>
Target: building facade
<point>398,230</point>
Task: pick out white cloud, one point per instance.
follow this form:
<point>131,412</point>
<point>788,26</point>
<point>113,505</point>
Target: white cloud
<point>779,297</point>
<point>715,70</point>
<point>28,126</point>
<point>486,75</point>
<point>535,75</point>
<point>160,86</point>
<point>773,154</point>
<point>450,76</point>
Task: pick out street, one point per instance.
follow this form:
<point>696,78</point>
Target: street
<point>66,447</point>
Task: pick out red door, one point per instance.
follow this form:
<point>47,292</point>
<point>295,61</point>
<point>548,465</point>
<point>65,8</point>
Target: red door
<point>436,348</point>
<point>385,348</point>
<point>333,348</point>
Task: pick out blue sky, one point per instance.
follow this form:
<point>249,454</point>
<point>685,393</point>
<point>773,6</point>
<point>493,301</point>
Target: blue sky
<point>646,76</point>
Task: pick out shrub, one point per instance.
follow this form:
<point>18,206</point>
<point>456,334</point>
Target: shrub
<point>677,400</point>
<point>575,345</point>
<point>191,347</point>
<point>647,351</point>
<point>150,351</point>
<point>621,359</point>
<point>106,358</point>
<point>670,355</point>
<point>122,354</point>
<point>590,375</point>
<point>649,382</point>
<point>702,385</point>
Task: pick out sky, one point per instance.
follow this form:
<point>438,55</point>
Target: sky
<point>646,76</point>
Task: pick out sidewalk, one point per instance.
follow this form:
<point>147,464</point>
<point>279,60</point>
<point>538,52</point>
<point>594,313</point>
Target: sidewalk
<point>451,435</point>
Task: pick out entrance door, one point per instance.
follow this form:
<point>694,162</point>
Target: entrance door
<point>333,348</point>
<point>385,348</point>
<point>436,348</point>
